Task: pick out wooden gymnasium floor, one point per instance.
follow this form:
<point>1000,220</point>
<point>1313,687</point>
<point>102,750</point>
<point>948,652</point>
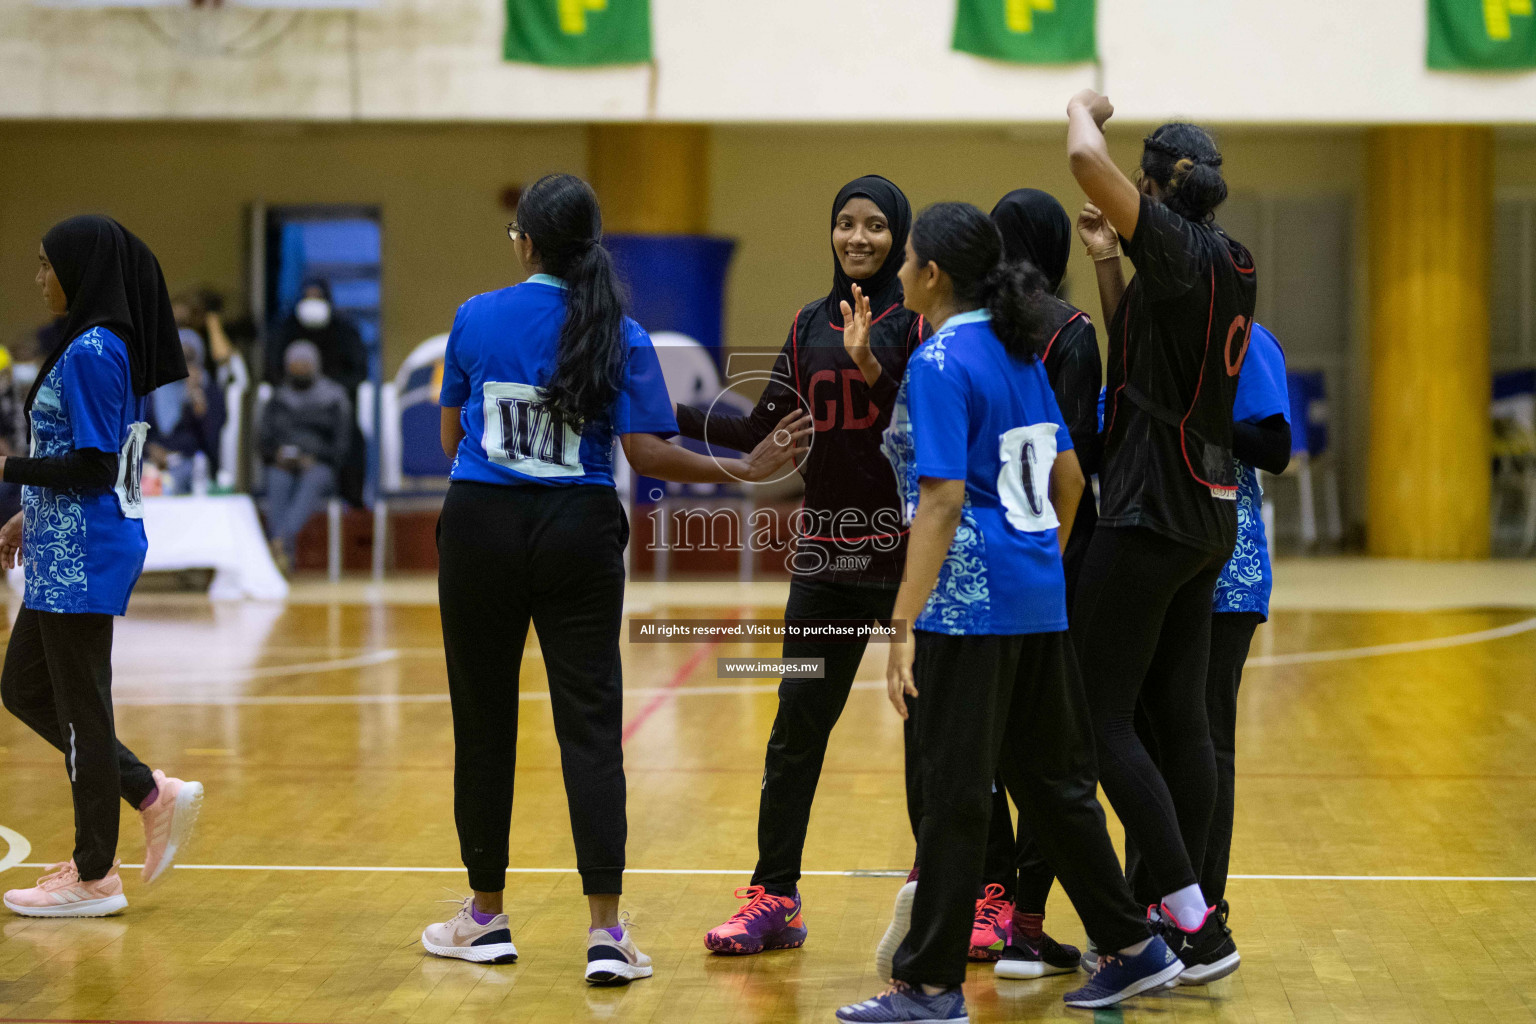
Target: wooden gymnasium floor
<point>1386,830</point>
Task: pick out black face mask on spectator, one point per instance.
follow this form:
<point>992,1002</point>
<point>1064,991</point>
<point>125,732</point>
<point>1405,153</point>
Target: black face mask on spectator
<point>301,381</point>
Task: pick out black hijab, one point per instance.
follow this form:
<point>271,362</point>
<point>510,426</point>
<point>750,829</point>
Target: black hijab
<point>881,288</point>
<point>111,279</point>
<point>1037,229</point>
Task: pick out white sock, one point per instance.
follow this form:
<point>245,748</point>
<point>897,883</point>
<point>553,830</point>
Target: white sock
<point>1187,906</point>
<point>1137,949</point>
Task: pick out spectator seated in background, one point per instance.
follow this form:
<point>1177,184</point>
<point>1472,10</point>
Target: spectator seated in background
<point>343,358</point>
<point>201,310</point>
<point>186,418</point>
<point>305,433</point>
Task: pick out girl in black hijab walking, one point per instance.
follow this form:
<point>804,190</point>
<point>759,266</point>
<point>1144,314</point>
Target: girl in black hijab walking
<point>81,537</point>
<point>843,361</point>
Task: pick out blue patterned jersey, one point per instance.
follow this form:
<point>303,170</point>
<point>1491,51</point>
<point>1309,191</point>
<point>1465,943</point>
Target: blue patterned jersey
<point>501,353</point>
<point>967,410</point>
<point>1247,580</point>
<point>84,550</point>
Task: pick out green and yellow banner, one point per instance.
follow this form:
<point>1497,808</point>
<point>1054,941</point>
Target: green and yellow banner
<point>578,33</point>
<point>1482,35</point>
<point>1027,31</point>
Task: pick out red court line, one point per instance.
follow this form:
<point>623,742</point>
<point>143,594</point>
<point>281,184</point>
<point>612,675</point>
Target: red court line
<point>678,678</point>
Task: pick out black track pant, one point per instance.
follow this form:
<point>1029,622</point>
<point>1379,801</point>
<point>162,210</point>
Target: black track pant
<point>808,709</point>
<point>1015,862</point>
<point>555,556</point>
<point>1231,636</point>
<point>58,680</point>
<point>1009,705</point>
<point>1142,629</point>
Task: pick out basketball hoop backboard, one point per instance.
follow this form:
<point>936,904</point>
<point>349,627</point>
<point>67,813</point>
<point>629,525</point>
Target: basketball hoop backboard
<point>216,28</point>
<point>264,5</point>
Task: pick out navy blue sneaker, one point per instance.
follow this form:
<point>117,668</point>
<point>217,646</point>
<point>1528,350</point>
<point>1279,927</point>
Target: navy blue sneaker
<point>1121,977</point>
<point>905,1004</point>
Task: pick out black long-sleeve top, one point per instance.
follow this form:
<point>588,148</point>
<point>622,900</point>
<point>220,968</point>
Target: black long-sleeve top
<point>855,532</point>
<point>1264,445</point>
<point>84,469</point>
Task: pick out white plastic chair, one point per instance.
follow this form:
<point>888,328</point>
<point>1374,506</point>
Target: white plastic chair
<point>399,482</point>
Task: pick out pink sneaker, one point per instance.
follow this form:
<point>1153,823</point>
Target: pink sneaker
<point>992,931</point>
<point>168,823</point>
<point>60,893</point>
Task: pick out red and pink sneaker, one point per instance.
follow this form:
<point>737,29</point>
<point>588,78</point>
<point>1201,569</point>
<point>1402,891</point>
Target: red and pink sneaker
<point>766,921</point>
<point>993,930</point>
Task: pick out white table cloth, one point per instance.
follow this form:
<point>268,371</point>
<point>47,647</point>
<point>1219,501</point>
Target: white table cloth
<point>218,532</point>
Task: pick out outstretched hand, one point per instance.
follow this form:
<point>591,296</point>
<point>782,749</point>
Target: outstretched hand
<point>786,442</point>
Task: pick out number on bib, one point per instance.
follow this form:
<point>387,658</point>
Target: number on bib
<point>130,472</point>
<point>1027,454</point>
<point>522,433</point>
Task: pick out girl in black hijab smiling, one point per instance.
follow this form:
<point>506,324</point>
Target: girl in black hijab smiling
<point>82,535</point>
<point>843,361</point>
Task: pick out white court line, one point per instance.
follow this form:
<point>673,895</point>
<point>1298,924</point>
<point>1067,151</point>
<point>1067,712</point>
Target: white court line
<point>1405,647</point>
<point>239,675</point>
<point>723,689</point>
<point>17,848</point>
<point>240,700</point>
<point>851,873</point>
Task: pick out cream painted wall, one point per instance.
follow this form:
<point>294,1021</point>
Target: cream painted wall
<point>1256,61</point>
<point>773,189</point>
<point>185,189</point>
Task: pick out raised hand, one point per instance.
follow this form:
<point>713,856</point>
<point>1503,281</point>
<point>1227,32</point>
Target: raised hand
<point>1097,106</point>
<point>856,321</point>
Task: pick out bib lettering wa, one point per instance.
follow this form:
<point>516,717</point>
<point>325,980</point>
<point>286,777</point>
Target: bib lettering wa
<point>523,433</point>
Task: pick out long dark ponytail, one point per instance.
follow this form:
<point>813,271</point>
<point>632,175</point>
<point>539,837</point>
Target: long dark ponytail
<point>967,246</point>
<point>560,215</point>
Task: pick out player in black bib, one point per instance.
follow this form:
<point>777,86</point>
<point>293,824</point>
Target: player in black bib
<point>850,553</point>
<point>1167,516</point>
<point>1034,227</point>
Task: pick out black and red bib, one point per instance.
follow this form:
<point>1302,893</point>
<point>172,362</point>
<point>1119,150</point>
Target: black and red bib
<point>1176,346</point>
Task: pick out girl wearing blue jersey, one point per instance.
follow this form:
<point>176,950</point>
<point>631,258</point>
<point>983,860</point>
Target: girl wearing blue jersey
<point>988,476</point>
<point>81,538</point>
<point>538,380</point>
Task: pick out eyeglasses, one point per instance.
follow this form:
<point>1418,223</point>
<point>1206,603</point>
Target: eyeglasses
<point>513,232</point>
